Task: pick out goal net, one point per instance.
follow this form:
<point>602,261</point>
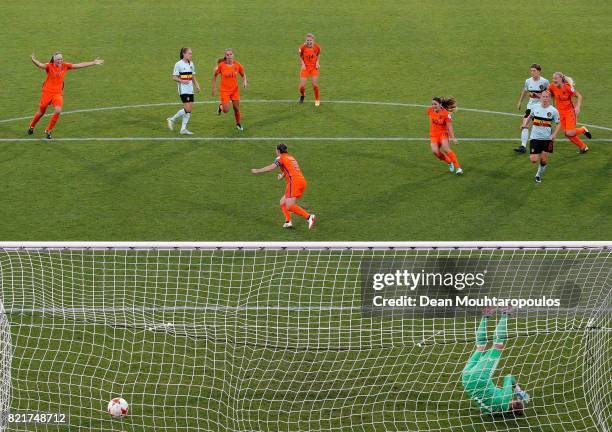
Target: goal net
<point>301,337</point>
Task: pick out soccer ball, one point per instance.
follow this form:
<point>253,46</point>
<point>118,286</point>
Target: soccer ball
<point>118,407</point>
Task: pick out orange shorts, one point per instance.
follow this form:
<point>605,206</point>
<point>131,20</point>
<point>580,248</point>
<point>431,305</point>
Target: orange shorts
<point>226,96</point>
<point>438,137</point>
<point>567,119</point>
<point>295,188</point>
<point>55,99</point>
<point>305,73</point>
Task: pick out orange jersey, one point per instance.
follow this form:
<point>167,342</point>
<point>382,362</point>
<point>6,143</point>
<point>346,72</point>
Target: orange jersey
<point>310,55</point>
<point>229,75</point>
<point>54,84</point>
<point>438,121</point>
<point>563,96</point>
<point>289,166</point>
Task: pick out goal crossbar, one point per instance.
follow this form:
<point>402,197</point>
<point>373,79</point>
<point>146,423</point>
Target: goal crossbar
<point>357,245</point>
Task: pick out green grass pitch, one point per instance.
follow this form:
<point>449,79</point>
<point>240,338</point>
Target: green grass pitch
<point>392,51</point>
<point>393,54</point>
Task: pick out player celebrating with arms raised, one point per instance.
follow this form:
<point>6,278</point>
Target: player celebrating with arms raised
<point>229,69</point>
<point>534,86</point>
<point>185,75</point>
<point>441,129</point>
<point>563,91</point>
<point>296,185</point>
<point>309,53</point>
<point>542,116</point>
<point>477,373</point>
<point>53,88</point>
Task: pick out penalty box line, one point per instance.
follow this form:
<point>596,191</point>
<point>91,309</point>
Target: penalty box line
<point>289,101</point>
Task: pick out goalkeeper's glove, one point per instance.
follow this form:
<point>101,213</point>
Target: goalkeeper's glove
<point>522,394</point>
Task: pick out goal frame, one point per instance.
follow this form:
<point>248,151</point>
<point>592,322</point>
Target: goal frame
<point>333,245</point>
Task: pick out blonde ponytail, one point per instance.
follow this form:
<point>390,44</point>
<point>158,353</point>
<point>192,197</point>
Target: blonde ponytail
<point>566,79</point>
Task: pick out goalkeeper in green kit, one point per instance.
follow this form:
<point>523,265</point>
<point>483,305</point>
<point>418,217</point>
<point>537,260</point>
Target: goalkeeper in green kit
<point>476,376</point>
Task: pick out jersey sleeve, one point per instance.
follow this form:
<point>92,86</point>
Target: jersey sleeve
<point>318,49</point>
<point>501,397</point>
<point>176,70</point>
<point>193,72</point>
<point>526,87</point>
<point>508,389</point>
<point>240,69</point>
<point>555,116</point>
<point>301,50</point>
<point>68,66</point>
<point>277,161</point>
<point>448,119</point>
<point>572,91</point>
<point>546,84</point>
<point>47,66</point>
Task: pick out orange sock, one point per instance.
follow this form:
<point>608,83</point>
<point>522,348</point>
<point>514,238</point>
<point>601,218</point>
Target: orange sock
<point>286,213</point>
<point>237,116</point>
<point>302,90</point>
<point>577,142</point>
<point>299,211</point>
<point>453,157</point>
<point>52,122</point>
<point>316,92</point>
<point>442,156</point>
<point>37,117</point>
<point>580,130</point>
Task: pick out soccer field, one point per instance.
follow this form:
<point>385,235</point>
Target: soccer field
<point>277,341</point>
<point>364,151</point>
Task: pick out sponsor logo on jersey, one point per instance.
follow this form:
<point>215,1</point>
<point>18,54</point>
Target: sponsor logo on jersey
<point>542,123</point>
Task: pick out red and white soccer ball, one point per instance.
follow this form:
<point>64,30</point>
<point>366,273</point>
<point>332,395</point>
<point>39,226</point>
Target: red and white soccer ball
<point>118,407</point>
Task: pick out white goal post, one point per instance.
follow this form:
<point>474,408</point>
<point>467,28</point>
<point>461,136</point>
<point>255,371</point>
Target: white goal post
<point>313,336</point>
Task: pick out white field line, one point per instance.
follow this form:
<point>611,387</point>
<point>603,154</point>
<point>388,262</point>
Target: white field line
<point>397,104</point>
<point>192,138</point>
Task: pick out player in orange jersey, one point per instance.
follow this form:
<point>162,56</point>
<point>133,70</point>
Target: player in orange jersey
<point>562,90</point>
<point>229,69</point>
<point>441,129</point>
<point>53,88</point>
<point>296,185</point>
<point>309,53</point>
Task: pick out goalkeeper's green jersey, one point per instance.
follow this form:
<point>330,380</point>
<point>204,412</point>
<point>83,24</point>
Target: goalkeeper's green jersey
<point>480,387</point>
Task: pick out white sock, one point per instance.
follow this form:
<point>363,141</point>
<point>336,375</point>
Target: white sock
<point>178,114</point>
<point>185,120</point>
<point>541,169</point>
<point>524,136</point>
